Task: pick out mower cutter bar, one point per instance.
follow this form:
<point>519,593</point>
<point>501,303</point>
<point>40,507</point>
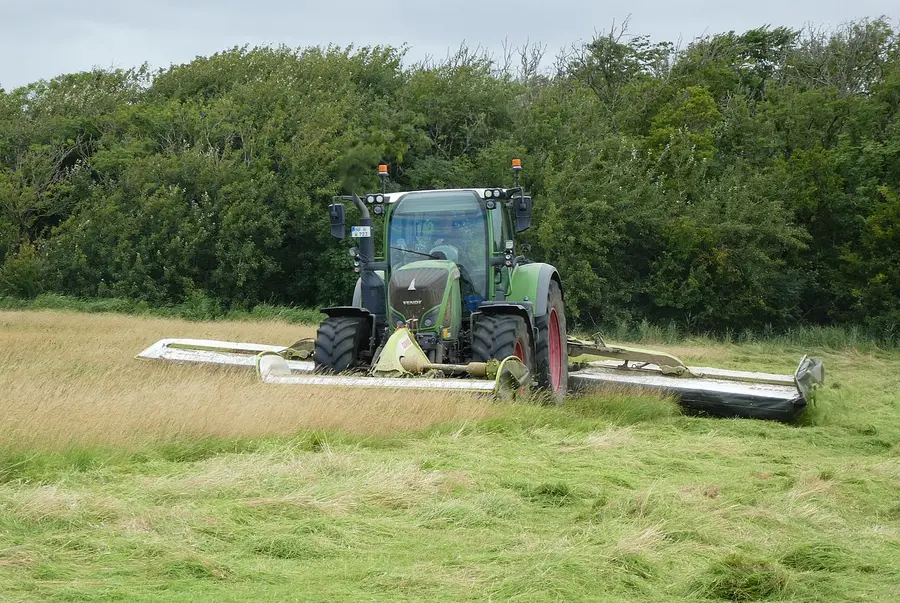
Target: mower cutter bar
<point>221,353</point>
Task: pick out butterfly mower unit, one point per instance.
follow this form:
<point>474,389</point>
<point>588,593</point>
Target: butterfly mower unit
<point>448,303</point>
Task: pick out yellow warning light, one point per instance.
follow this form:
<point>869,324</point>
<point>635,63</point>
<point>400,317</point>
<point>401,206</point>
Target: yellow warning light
<point>517,164</point>
<point>383,169</point>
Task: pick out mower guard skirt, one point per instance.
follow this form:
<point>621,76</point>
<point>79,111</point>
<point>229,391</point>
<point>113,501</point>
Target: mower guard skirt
<point>716,392</point>
<point>272,368</point>
<point>471,385</point>
<point>219,353</point>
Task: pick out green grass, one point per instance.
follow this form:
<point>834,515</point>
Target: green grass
<point>197,307</point>
<point>603,499</point>
<point>831,337</point>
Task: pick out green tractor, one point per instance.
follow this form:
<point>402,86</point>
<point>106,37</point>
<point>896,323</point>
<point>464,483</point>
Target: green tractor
<point>448,302</point>
<point>450,279</point>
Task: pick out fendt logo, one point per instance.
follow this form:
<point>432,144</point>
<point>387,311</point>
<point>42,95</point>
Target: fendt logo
<point>412,302</point>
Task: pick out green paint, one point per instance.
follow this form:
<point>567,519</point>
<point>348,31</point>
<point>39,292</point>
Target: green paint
<point>526,283</point>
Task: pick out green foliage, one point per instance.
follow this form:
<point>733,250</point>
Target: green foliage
<point>22,274</point>
<point>747,182</point>
<point>689,121</point>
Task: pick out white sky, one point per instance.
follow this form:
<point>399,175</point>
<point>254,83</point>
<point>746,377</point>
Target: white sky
<point>40,39</point>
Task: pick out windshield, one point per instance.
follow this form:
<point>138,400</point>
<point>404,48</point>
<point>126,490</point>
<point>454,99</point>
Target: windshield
<point>449,225</point>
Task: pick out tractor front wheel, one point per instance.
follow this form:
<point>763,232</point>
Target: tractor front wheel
<point>551,357</point>
<point>502,336</point>
<point>338,342</point>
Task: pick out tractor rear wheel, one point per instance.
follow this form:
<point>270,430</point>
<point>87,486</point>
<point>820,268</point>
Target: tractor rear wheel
<point>551,357</point>
<point>502,336</point>
<point>338,342</point>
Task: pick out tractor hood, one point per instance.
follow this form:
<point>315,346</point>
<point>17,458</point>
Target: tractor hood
<point>419,293</point>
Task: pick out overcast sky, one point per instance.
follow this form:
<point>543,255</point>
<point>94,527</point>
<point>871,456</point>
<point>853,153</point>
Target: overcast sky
<point>44,38</point>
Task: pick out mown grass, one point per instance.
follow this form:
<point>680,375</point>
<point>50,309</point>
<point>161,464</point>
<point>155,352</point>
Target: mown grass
<point>121,480</point>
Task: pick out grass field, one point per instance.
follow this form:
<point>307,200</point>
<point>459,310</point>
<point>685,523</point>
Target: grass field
<point>125,480</point>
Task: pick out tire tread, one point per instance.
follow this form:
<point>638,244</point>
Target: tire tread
<point>337,344</point>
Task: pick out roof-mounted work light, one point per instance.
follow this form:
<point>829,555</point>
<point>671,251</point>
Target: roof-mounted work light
<point>383,174</point>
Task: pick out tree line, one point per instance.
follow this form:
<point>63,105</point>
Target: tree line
<point>745,180</point>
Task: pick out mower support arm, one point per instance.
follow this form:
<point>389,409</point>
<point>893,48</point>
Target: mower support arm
<point>667,363</point>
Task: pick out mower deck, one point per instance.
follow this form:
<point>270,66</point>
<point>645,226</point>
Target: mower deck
<point>714,392</point>
<point>702,390</point>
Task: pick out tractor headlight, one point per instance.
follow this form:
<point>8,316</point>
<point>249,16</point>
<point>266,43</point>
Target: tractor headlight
<point>488,194</point>
<point>379,198</point>
<point>379,209</point>
<point>370,199</point>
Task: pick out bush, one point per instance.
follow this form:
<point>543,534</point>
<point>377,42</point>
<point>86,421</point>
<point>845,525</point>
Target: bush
<point>23,274</point>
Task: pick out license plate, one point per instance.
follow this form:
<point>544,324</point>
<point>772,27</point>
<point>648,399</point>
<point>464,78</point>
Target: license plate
<point>360,232</point>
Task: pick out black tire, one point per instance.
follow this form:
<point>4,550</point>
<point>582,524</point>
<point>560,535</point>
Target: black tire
<point>338,342</point>
<point>542,356</point>
<point>496,338</point>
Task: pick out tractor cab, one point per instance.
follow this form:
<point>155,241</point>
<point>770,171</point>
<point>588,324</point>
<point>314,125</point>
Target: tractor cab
<point>447,258</point>
<point>449,226</point>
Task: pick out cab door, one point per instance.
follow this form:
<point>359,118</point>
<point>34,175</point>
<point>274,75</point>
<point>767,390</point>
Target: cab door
<point>501,232</point>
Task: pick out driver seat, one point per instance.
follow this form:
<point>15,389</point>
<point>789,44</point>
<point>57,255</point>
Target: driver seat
<point>446,252</point>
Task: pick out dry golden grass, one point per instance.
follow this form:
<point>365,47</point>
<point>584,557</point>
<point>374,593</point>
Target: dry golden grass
<point>72,379</point>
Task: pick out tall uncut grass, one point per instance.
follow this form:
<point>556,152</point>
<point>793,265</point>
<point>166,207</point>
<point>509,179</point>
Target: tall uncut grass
<point>197,307</point>
<point>200,307</point>
<point>830,337</point>
<point>72,380</point>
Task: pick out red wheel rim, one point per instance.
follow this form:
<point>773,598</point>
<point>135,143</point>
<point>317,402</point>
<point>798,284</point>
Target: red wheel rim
<point>520,352</point>
<point>555,351</point>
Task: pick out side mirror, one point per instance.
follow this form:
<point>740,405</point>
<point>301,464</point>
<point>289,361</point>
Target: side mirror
<point>522,212</point>
<point>338,224</point>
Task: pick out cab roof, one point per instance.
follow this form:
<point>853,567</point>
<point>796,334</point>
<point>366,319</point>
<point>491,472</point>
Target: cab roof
<point>396,196</point>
